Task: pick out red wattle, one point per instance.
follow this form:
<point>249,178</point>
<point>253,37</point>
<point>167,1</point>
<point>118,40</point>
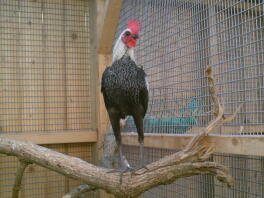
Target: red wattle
<point>131,43</point>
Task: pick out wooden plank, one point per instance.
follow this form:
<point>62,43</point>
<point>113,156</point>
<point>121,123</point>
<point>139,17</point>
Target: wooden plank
<point>10,68</point>
<point>30,58</point>
<point>53,63</point>
<point>106,26</point>
<point>103,121</point>
<point>234,130</point>
<point>109,28</point>
<point>102,116</point>
<point>54,137</point>
<point>232,144</point>
<point>107,13</point>
<point>78,65</point>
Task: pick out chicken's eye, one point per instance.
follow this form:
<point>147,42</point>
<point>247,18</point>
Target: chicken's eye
<point>127,33</point>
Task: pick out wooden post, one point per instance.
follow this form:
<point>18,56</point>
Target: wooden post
<point>30,59</point>
<point>54,71</point>
<point>107,16</point>
<point>78,65</point>
<point>10,68</point>
<point>103,58</point>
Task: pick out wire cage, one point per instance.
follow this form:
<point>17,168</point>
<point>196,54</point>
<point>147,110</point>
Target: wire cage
<point>178,40</point>
<point>48,82</point>
<point>47,85</point>
<point>246,170</point>
<point>46,66</point>
<point>38,181</point>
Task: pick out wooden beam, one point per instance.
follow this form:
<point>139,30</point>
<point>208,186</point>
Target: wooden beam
<point>107,13</point>
<point>110,23</point>
<point>63,137</point>
<point>234,130</point>
<point>232,144</point>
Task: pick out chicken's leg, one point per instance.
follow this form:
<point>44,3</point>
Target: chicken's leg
<point>141,153</point>
<point>122,161</point>
<point>115,122</point>
<point>139,124</point>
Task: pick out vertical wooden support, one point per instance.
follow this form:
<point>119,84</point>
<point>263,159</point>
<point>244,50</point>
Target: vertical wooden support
<point>106,27</point>
<point>10,100</point>
<point>78,65</point>
<point>54,74</point>
<point>103,122</point>
<point>106,15</point>
<point>32,99</point>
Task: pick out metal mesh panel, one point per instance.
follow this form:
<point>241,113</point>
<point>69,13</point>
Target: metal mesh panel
<point>179,38</point>
<point>40,182</point>
<point>247,171</point>
<point>45,67</point>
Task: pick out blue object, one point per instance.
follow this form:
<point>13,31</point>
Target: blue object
<point>174,125</point>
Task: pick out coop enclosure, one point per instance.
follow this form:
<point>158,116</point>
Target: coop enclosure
<point>47,83</point>
<point>52,55</point>
<point>178,40</point>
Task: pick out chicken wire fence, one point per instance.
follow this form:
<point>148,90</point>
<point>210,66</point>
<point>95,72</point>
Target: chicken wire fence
<point>247,171</point>
<point>46,73</point>
<point>178,40</point>
<point>47,84</point>
<point>39,182</point>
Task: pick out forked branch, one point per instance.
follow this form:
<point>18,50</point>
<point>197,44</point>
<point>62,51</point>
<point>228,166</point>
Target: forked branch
<point>188,162</point>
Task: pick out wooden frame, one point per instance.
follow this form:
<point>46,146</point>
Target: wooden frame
<point>106,27</point>
<point>54,137</point>
<point>231,144</point>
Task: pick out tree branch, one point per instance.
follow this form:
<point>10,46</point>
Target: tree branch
<point>133,184</point>
<point>19,175</point>
<point>188,162</point>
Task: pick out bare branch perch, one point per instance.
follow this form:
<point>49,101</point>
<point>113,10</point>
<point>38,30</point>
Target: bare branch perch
<point>132,184</point>
<point>19,175</point>
<point>188,162</point>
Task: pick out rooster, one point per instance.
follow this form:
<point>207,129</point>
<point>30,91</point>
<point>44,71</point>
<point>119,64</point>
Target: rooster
<point>125,89</point>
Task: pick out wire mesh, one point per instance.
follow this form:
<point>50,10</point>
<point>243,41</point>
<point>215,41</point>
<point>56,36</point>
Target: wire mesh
<point>40,182</point>
<point>248,172</point>
<point>46,66</point>
<point>179,38</point>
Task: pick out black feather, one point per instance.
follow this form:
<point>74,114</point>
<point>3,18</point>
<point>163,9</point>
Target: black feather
<point>124,88</point>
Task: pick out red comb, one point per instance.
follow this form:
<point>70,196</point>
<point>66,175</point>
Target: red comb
<point>134,26</point>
